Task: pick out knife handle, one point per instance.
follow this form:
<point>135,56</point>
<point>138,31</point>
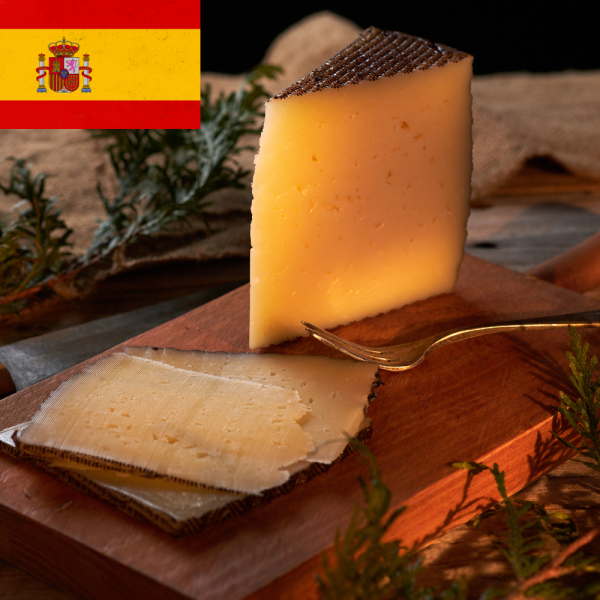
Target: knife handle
<point>7,385</point>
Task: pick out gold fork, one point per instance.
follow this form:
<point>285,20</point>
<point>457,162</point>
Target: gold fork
<point>409,355</point>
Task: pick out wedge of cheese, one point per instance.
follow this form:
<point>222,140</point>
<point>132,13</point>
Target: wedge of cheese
<point>362,185</point>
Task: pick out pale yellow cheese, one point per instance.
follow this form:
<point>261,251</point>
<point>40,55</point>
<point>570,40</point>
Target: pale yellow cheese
<point>226,434</point>
<point>334,391</point>
<point>169,503</point>
<point>239,422</point>
<point>361,198</point>
<point>178,502</point>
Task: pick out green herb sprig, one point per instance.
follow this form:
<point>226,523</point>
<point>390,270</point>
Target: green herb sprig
<point>583,413</point>
<point>224,122</point>
<point>368,568</point>
<point>34,247</point>
<point>163,179</point>
<point>528,528</point>
<point>165,175</point>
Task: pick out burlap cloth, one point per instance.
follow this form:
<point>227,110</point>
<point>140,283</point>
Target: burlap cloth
<point>515,116</point>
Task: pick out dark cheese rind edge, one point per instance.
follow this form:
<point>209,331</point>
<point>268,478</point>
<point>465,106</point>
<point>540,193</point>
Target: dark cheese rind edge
<point>40,457</point>
<point>46,454</point>
<point>374,54</point>
<point>166,522</point>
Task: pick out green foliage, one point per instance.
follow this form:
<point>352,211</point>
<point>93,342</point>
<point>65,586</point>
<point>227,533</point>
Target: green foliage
<point>583,413</point>
<point>366,567</point>
<point>527,524</point>
<point>34,246</point>
<point>157,175</point>
<point>163,179</point>
<point>369,568</point>
<point>224,122</point>
<point>524,546</point>
<point>164,175</point>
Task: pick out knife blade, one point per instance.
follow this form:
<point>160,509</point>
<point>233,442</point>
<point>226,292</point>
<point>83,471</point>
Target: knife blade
<point>26,362</point>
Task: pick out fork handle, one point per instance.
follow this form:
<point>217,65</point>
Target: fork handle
<point>590,318</point>
<point>582,319</point>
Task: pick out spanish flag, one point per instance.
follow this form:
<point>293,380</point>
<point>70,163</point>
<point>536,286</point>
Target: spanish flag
<point>100,64</point>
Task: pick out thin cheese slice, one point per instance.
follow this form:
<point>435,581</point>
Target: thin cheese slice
<point>212,431</point>
<point>168,503</point>
<point>334,391</point>
<point>361,188</point>
<point>178,508</point>
<point>179,501</point>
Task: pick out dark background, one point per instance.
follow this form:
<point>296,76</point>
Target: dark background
<point>502,38</point>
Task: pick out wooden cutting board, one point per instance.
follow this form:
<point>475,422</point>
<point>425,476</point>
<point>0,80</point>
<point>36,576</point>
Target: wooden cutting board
<point>489,399</point>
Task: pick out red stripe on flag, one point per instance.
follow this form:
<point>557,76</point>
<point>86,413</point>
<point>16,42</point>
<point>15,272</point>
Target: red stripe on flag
<point>108,14</point>
<point>100,114</point>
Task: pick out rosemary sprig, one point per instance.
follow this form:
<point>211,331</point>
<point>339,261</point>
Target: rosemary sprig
<point>583,413</point>
<point>163,179</point>
<point>366,567</point>
<point>165,175</point>
<point>528,528</point>
<point>34,246</point>
<point>224,122</point>
<point>156,178</point>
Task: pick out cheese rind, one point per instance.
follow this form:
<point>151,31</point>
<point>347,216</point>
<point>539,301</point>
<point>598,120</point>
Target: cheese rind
<point>177,508</point>
<point>361,197</point>
<point>376,53</point>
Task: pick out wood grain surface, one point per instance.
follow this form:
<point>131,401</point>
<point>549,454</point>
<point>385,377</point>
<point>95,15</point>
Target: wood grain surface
<point>488,399</point>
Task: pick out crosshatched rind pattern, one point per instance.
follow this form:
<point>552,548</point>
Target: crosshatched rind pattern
<point>375,54</point>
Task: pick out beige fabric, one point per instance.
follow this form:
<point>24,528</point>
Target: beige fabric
<point>515,117</point>
<point>520,115</point>
<point>75,163</point>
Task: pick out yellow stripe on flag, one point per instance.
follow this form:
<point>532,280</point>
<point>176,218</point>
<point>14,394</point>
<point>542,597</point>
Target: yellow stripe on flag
<point>127,64</point>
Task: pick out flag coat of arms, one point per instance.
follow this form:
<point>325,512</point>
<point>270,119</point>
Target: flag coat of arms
<point>64,74</point>
<point>145,56</point>
<point>64,69</point>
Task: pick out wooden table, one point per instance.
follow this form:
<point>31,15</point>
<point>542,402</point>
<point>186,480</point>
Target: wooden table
<point>540,213</point>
